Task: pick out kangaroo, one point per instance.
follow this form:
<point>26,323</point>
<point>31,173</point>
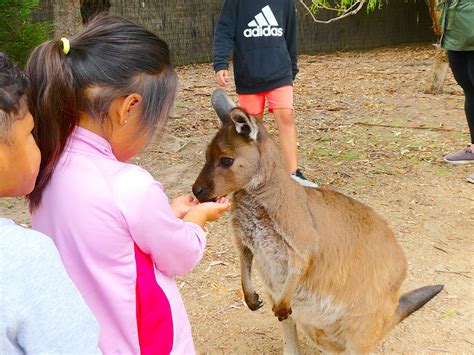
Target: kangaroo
<point>331,266</point>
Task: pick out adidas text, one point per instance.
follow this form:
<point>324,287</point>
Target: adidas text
<point>263,32</point>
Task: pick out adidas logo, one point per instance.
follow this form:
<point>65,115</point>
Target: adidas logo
<point>264,25</point>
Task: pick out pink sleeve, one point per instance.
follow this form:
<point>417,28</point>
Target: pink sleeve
<point>175,246</point>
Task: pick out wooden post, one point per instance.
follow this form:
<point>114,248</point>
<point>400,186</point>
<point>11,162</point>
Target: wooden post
<point>66,17</point>
<point>91,8</point>
<point>439,68</point>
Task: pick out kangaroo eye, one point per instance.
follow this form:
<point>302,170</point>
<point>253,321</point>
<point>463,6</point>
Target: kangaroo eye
<point>226,162</point>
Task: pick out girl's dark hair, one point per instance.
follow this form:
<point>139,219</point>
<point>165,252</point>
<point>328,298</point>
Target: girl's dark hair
<point>111,57</point>
<point>13,86</point>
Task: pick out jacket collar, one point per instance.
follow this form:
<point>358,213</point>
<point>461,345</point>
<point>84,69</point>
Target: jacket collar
<point>84,140</point>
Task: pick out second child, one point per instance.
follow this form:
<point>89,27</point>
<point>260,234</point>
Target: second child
<point>262,37</point>
<point>41,311</point>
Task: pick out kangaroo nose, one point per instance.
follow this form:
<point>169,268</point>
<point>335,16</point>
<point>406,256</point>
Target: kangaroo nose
<point>198,190</point>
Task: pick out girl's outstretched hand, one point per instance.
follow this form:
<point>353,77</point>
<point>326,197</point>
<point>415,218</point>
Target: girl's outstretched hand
<point>216,209</point>
<point>207,211</point>
<point>182,204</point>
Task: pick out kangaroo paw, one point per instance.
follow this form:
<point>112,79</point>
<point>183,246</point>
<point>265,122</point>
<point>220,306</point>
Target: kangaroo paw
<point>281,311</point>
<point>253,301</point>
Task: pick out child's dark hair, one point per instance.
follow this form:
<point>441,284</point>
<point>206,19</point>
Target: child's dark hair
<point>111,57</point>
<point>13,86</point>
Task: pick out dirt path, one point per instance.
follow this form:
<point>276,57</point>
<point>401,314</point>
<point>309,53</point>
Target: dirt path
<point>342,102</point>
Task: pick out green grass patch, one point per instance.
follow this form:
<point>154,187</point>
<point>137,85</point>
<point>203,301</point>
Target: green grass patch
<point>321,152</point>
<point>349,155</point>
<point>442,170</point>
<point>401,120</point>
<point>326,138</point>
<point>414,159</point>
<point>357,183</point>
<point>383,169</point>
<point>180,104</point>
<point>460,136</point>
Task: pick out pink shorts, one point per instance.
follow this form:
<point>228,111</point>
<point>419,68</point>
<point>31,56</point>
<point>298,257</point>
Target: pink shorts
<point>254,104</point>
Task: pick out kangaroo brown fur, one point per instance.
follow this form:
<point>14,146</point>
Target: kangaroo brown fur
<point>330,265</point>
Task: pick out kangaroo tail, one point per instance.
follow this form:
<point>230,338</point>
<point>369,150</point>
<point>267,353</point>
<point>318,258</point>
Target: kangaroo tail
<point>414,300</point>
<point>409,303</point>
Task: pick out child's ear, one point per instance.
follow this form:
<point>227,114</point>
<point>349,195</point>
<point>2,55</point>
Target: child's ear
<point>129,108</point>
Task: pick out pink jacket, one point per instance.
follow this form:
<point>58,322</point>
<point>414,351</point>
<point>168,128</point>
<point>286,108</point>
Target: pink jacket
<point>122,246</point>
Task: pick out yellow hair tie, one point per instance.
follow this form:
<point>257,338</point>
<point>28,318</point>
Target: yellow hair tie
<point>66,45</point>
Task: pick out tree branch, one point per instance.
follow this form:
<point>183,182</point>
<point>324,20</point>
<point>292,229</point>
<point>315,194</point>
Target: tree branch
<point>442,129</point>
<point>319,6</point>
<point>350,11</point>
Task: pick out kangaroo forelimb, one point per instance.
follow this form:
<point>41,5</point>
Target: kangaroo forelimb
<point>252,299</point>
<point>296,267</point>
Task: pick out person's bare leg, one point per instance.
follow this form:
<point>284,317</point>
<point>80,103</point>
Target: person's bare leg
<point>284,118</point>
<point>259,116</point>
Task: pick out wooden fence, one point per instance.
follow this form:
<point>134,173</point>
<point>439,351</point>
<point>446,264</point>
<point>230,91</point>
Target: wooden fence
<point>188,26</point>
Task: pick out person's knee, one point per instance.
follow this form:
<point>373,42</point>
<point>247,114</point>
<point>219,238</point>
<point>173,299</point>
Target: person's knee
<point>259,116</point>
<point>284,117</point>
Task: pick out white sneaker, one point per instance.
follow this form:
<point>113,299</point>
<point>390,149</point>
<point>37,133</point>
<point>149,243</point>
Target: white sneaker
<point>470,178</point>
<point>301,179</point>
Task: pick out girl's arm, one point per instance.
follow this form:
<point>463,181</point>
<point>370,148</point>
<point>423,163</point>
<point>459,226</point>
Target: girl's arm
<point>175,246</point>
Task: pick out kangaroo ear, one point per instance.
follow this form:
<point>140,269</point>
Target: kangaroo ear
<point>245,125</point>
<point>222,105</point>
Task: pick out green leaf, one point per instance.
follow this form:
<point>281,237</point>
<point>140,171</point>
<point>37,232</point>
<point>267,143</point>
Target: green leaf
<point>341,5</point>
<point>449,312</point>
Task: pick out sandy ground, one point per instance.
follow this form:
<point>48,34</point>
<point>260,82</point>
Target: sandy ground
<point>366,129</point>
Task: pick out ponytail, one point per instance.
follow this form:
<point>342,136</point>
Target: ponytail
<point>52,102</point>
<point>110,54</point>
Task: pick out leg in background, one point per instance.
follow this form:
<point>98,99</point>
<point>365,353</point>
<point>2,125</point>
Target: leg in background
<point>291,344</point>
<point>284,118</point>
<point>469,103</point>
<point>462,66</point>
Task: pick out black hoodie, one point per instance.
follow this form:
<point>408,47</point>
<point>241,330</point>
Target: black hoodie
<point>262,34</point>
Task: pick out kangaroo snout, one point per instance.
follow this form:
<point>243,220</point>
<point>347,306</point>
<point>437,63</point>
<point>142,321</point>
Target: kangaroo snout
<point>201,192</point>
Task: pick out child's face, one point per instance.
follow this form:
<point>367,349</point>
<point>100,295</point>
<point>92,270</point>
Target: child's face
<point>126,143</point>
<point>127,137</point>
<point>19,161</point>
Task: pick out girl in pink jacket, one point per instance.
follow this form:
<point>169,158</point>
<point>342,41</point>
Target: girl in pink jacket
<point>97,100</point>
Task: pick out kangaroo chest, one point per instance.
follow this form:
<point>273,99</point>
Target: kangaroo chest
<point>261,235</point>
<point>256,230</point>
